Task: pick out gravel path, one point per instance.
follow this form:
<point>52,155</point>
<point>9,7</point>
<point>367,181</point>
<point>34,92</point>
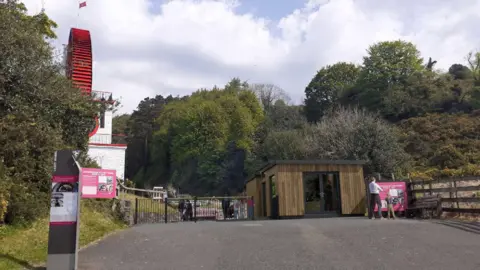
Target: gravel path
<point>303,244</point>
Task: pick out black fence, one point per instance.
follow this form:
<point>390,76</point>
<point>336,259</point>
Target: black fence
<point>193,209</point>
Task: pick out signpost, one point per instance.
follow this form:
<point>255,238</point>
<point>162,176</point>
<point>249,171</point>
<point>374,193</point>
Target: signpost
<point>64,213</point>
<point>68,178</point>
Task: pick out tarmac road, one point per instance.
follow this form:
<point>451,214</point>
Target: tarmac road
<point>303,244</point>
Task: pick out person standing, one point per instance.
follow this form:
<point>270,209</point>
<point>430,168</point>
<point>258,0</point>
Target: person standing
<point>225,206</point>
<point>189,212</point>
<point>390,209</point>
<point>375,189</point>
<point>181,208</point>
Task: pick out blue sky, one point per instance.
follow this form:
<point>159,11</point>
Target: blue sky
<point>271,9</point>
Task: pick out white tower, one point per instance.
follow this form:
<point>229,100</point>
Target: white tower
<point>108,155</point>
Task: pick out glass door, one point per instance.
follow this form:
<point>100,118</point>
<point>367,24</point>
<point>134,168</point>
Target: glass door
<point>322,192</point>
<point>312,191</point>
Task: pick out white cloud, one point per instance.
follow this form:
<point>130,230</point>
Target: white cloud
<point>192,43</point>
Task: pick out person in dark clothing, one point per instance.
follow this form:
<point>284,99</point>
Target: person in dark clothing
<point>189,212</point>
<point>181,207</point>
<point>225,206</point>
<point>375,198</point>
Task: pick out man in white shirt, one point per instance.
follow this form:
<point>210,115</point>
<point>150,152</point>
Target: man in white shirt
<point>375,189</point>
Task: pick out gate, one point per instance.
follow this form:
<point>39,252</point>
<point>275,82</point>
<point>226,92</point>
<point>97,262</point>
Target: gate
<point>193,209</point>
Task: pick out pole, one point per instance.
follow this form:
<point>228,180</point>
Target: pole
<point>195,209</point>
<point>78,13</point>
<point>135,218</point>
<point>166,210</point>
<point>64,213</point>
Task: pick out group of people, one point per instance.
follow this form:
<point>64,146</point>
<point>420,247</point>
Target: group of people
<point>375,189</point>
<point>232,210</point>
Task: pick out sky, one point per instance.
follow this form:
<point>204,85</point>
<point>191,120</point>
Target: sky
<point>143,48</point>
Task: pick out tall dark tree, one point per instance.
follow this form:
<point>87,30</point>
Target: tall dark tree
<point>119,128</point>
<point>139,131</point>
<point>460,72</point>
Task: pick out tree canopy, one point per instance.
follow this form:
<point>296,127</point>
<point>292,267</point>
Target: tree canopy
<point>40,111</point>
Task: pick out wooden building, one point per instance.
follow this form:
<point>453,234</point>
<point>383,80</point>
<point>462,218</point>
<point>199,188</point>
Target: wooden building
<point>297,188</point>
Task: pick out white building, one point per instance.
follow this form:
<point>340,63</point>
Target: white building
<point>100,147</point>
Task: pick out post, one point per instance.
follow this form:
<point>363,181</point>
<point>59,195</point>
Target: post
<point>251,208</point>
<point>64,213</point>
<point>195,209</point>
<point>135,218</point>
<point>166,210</point>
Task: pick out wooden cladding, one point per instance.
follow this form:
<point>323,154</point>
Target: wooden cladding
<point>289,186</point>
<point>291,191</point>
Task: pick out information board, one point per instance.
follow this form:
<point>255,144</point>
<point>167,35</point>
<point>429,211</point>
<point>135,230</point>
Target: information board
<point>98,183</point>
<point>64,200</point>
<point>398,192</point>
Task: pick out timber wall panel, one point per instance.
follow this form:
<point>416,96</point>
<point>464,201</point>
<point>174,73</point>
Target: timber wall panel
<point>292,202</point>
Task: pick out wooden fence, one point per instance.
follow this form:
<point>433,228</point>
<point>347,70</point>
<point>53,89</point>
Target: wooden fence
<point>459,195</point>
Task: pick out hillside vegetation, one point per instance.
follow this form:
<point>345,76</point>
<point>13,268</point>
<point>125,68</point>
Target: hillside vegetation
<point>396,111</point>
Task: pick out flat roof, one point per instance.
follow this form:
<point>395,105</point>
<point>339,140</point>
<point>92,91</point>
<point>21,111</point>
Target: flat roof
<point>305,162</point>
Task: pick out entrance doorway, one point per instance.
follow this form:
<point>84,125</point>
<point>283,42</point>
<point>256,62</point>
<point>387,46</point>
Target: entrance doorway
<point>264,199</point>
<point>322,192</point>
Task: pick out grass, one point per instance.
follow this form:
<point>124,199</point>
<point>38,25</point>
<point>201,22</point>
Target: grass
<point>26,247</point>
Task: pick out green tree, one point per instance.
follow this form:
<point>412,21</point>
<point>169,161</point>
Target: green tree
<point>40,111</point>
<point>205,137</point>
<point>386,70</point>
<point>139,130</point>
<point>119,128</point>
<point>330,83</point>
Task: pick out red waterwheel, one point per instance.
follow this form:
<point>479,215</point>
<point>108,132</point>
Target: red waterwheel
<point>79,64</point>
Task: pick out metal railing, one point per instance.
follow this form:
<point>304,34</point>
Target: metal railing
<point>102,96</point>
<point>194,209</point>
<point>108,139</point>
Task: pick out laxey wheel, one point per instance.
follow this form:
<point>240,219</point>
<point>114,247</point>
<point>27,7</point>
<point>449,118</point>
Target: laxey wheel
<point>79,64</point>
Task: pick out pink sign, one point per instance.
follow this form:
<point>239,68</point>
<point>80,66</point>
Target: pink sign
<point>398,192</point>
<point>98,183</point>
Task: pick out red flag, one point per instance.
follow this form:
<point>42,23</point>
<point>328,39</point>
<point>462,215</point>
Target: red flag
<point>82,4</point>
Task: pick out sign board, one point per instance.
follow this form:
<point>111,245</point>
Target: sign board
<point>64,213</point>
<point>98,183</point>
<point>64,206</point>
<point>398,192</point>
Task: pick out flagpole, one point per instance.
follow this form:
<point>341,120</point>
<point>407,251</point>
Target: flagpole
<point>81,4</point>
<point>78,12</point>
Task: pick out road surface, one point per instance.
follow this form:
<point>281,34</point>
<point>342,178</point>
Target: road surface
<point>303,244</point>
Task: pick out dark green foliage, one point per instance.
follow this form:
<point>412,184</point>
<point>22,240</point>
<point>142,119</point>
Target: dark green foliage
<point>40,111</point>
<point>329,84</point>
<point>442,140</point>
<point>139,129</point>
